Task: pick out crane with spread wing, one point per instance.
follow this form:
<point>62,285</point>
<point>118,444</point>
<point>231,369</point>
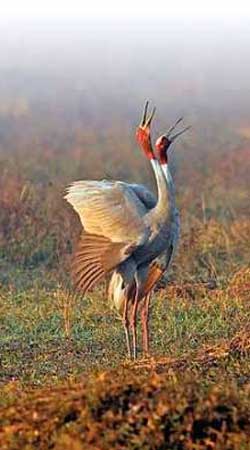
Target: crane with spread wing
<point>125,229</point>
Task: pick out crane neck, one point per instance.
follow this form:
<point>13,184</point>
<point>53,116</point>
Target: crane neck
<point>165,188</point>
<point>170,183</point>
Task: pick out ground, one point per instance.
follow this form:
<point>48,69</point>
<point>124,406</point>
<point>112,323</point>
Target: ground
<point>65,377</point>
<point>65,380</point>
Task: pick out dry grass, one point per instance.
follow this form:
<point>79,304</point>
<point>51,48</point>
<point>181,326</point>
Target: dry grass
<point>129,410</point>
<point>204,357</point>
<point>194,392</point>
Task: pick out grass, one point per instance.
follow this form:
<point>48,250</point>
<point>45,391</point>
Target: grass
<point>40,343</point>
<point>72,387</point>
<point>65,380</point>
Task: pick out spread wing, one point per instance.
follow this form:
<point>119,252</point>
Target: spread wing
<point>112,217</point>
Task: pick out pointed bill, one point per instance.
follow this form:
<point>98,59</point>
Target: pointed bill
<point>150,117</point>
<point>174,126</point>
<point>146,122</point>
<point>144,114</point>
<point>179,133</point>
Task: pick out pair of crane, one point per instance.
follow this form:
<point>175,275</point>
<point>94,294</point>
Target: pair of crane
<point>128,232</point>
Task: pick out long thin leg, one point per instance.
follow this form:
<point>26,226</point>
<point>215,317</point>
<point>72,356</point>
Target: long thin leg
<point>144,321</point>
<point>125,322</point>
<point>134,323</point>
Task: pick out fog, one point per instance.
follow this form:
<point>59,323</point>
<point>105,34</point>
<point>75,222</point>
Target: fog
<point>97,73</point>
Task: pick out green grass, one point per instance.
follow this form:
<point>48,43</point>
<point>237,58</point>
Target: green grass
<point>36,347</point>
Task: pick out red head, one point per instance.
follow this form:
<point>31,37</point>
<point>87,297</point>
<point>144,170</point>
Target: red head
<point>162,144</point>
<point>143,133</point>
<point>144,140</point>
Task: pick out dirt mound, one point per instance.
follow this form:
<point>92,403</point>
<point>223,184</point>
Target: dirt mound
<point>134,408</point>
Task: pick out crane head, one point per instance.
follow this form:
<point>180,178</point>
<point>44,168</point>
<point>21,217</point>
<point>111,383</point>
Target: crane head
<point>163,142</point>
<point>143,132</point>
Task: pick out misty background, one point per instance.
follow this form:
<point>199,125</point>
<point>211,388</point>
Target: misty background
<point>93,72</point>
<point>64,81</point>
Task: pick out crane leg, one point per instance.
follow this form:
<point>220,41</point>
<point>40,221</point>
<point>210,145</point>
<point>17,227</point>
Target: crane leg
<point>126,326</point>
<point>144,321</point>
<point>134,323</point>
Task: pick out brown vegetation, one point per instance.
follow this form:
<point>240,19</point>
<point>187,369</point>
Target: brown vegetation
<point>128,409</point>
<point>194,394</point>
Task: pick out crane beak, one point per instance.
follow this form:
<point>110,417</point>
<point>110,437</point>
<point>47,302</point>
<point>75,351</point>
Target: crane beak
<point>172,138</point>
<point>173,126</point>
<point>146,121</point>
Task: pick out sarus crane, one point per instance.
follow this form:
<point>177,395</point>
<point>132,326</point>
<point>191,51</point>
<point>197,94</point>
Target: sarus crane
<point>129,232</point>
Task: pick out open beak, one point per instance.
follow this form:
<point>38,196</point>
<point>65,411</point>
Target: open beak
<point>172,128</point>
<point>146,121</point>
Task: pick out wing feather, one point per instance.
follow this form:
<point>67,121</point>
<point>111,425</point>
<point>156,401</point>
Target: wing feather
<point>112,217</point>
<point>88,277</point>
<point>91,281</point>
<point>93,261</point>
<point>109,209</point>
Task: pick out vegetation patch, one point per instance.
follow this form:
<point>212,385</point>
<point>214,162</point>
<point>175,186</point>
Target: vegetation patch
<point>65,381</point>
<point>127,409</point>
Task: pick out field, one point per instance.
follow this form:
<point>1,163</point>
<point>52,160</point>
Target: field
<point>65,379</point>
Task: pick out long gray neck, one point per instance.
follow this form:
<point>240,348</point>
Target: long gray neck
<point>165,197</point>
<point>170,183</point>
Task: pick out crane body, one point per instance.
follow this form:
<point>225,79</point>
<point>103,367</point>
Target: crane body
<point>124,230</point>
